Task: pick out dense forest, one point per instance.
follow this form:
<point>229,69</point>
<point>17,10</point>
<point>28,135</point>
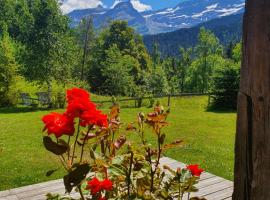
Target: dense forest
<point>227,29</point>
<point>38,45</point>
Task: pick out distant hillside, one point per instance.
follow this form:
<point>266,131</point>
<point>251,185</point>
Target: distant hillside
<point>227,29</point>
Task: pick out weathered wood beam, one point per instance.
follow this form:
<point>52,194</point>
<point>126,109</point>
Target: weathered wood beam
<point>252,147</point>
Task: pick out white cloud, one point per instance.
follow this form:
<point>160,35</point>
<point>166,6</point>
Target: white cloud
<point>139,6</point>
<point>116,2</point>
<point>69,5</point>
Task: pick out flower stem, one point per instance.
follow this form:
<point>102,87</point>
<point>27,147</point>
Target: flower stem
<point>129,172</point>
<point>84,140</point>
<point>75,142</point>
<point>157,162</point>
<point>69,146</point>
<point>80,191</point>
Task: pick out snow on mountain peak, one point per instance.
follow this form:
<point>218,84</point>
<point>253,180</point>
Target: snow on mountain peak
<point>186,14</point>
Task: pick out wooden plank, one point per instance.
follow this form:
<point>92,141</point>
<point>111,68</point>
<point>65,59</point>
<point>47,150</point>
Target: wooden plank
<point>209,184</point>
<point>35,186</point>
<point>213,188</point>
<point>43,191</point>
<point>211,181</point>
<point>5,193</point>
<point>222,194</point>
<point>206,175</point>
<point>10,197</point>
<point>175,164</point>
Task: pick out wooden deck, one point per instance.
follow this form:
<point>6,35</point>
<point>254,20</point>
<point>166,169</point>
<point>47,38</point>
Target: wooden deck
<point>210,187</point>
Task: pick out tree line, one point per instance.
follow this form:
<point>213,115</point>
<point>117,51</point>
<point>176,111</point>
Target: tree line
<point>37,43</point>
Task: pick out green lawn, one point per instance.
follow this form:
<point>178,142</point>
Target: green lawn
<point>209,141</point>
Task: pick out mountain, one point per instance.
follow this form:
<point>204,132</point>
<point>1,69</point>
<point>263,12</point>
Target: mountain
<point>124,11</point>
<point>77,15</point>
<point>190,13</point>
<point>185,15</point>
<point>227,29</point>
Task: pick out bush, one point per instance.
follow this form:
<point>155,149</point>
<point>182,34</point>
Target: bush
<point>225,86</point>
<point>101,163</point>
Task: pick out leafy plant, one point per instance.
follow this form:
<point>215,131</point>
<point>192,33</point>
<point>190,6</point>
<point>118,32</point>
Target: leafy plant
<point>108,165</point>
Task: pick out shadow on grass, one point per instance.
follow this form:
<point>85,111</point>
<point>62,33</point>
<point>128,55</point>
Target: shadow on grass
<point>220,110</point>
<point>10,110</point>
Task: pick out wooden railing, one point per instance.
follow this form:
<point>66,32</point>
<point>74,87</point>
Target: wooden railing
<point>152,97</point>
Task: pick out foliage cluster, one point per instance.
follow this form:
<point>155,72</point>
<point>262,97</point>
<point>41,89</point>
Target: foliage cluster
<point>108,165</point>
<point>39,45</point>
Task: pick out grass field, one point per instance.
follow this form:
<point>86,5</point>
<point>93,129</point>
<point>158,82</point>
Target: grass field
<point>208,136</point>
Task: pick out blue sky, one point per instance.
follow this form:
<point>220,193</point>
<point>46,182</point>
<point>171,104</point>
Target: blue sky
<point>140,5</point>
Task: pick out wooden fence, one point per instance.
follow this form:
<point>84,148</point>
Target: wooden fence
<point>138,100</point>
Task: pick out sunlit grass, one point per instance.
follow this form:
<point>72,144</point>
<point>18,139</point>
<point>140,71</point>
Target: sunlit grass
<point>208,136</point>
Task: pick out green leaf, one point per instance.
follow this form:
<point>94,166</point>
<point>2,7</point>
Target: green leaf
<point>75,177</point>
<point>50,172</point>
<point>185,175</point>
<point>54,147</point>
<point>162,139</point>
<point>118,160</point>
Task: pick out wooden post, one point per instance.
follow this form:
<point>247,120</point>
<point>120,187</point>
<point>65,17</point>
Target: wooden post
<point>252,147</point>
<point>169,100</point>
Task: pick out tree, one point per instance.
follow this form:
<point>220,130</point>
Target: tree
<point>171,70</point>
<point>51,51</point>
<point>86,39</point>
<point>208,45</point>
<point>252,152</point>
<point>8,69</point>
<point>197,74</point>
<point>156,55</point>
<point>17,16</point>
<point>184,63</point>
<point>237,53</point>
<point>208,54</point>
<point>157,82</point>
<point>225,85</point>
<point>130,44</point>
<point>116,70</point>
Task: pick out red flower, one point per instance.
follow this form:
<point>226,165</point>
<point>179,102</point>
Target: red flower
<point>107,185</point>
<point>76,93</point>
<point>94,117</point>
<point>94,185</point>
<point>195,170</point>
<point>102,198</point>
<point>58,124</point>
<point>78,106</point>
<point>78,102</point>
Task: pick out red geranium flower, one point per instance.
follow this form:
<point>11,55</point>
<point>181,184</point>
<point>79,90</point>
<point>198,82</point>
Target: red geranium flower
<point>102,120</point>
<point>78,102</point>
<point>107,185</point>
<point>94,117</point>
<point>77,107</point>
<point>194,169</point>
<point>58,124</point>
<point>94,185</point>
<point>76,93</point>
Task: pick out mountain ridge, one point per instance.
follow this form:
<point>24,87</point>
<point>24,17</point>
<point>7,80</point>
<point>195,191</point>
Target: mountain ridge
<point>184,15</point>
<point>227,29</point>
